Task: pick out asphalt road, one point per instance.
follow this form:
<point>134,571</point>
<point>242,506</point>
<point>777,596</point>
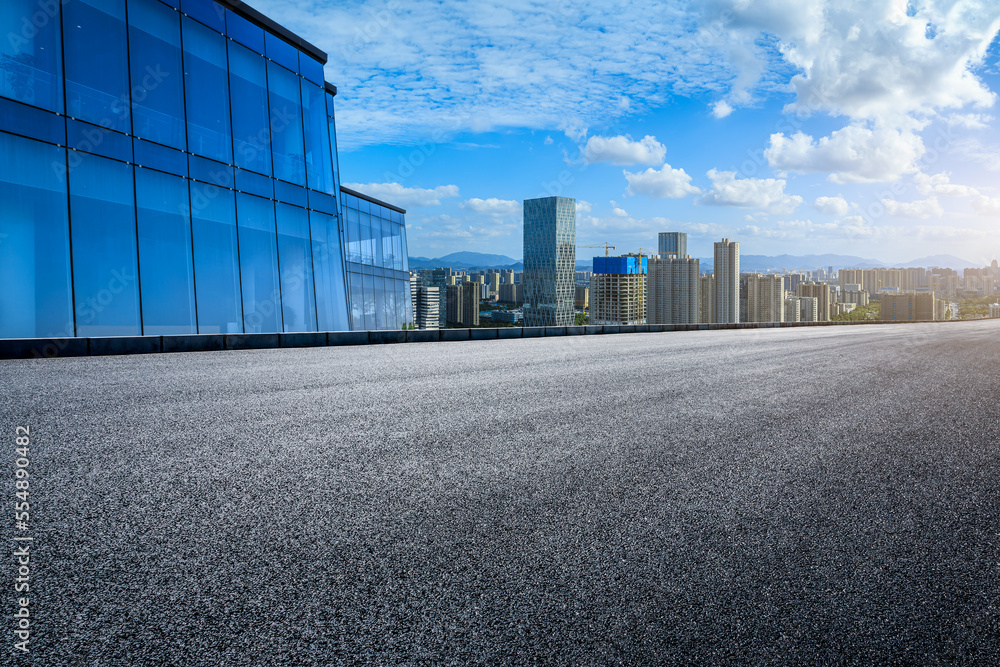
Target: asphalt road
<point>785,496</point>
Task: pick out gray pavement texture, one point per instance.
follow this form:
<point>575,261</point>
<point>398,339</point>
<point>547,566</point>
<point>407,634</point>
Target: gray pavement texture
<point>803,496</point>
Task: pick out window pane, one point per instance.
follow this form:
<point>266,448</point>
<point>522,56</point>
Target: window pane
<point>397,247</point>
<point>353,235</point>
<point>368,293</point>
<point>376,239</point>
<point>357,301</point>
<point>216,267</point>
<point>251,131</point>
<point>331,295</point>
<point>36,301</point>
<point>206,87</point>
<point>388,256</point>
<point>319,163</point>
<point>286,125</point>
<point>403,252</point>
<point>404,305</point>
<point>157,80</point>
<point>97,77</point>
<point>102,209</point>
<point>367,246</point>
<point>30,58</point>
<point>165,259</point>
<point>298,296</point>
<point>258,264</point>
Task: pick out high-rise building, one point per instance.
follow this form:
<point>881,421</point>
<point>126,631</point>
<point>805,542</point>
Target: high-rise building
<point>618,290</point>
<point>793,309</point>
<point>582,299</point>
<point>706,298</point>
<point>765,298</point>
<point>510,293</point>
<point>674,243</point>
<point>672,289</point>
<point>549,261</point>
<point>455,304</point>
<point>440,278</point>
<point>907,306</point>
<point>182,158</point>
<point>470,303</point>
<point>822,294</point>
<point>809,309</point>
<point>426,302</point>
<point>727,281</point>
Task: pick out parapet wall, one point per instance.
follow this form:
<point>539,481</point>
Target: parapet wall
<point>35,348</point>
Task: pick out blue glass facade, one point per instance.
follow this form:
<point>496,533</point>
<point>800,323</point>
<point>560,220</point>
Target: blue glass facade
<point>378,273</point>
<point>170,167</point>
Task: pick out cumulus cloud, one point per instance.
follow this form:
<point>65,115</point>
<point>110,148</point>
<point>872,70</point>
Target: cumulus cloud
<point>622,150</point>
<point>396,194</point>
<point>924,208</point>
<point>721,109</point>
<point>492,206</point>
<point>940,184</point>
<point>853,154</point>
<point>987,205</point>
<point>764,193</point>
<point>832,205</point>
<point>582,206</point>
<point>868,60</point>
<point>663,183</point>
<point>617,210</point>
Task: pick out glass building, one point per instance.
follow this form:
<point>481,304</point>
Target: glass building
<point>549,261</point>
<point>170,167</point>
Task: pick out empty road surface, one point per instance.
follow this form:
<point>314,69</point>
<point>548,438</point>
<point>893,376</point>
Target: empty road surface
<point>824,495</point>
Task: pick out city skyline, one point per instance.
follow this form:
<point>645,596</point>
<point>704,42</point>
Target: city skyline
<point>864,131</point>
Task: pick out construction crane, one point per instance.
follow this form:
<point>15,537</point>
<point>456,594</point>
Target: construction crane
<point>607,246</point>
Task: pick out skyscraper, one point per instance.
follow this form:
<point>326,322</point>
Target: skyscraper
<point>673,243</point>
<point>672,289</point>
<point>727,281</point>
<point>706,298</point>
<point>765,298</point>
<point>821,291</point>
<point>549,261</point>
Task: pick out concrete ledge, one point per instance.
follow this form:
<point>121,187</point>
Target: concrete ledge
<point>483,334</point>
<point>251,341</point>
<point>347,338</point>
<point>194,343</point>
<point>455,334</point>
<point>303,339</point>
<point>38,348</point>
<point>422,336</point>
<point>387,336</point>
<point>28,348</point>
<point>125,345</point>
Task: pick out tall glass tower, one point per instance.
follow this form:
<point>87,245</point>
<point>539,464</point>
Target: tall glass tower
<point>549,261</point>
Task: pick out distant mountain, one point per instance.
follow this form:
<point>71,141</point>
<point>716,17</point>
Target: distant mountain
<point>465,260</point>
<point>944,261</point>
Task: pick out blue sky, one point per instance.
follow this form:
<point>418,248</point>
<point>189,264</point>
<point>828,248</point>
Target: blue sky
<point>792,126</point>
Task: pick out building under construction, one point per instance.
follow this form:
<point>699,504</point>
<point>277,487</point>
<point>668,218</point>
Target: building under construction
<point>618,290</point>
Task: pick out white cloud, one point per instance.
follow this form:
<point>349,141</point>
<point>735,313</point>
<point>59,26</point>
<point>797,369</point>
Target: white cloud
<point>582,206</point>
<point>867,60</point>
<point>665,183</point>
<point>763,193</point>
<point>622,150</point>
<point>853,154</point>
<point>617,210</point>
<point>398,195</point>
<point>970,121</point>
<point>548,141</point>
<point>832,205</point>
<point>924,208</point>
<point>492,206</point>
<point>940,184</point>
<point>987,205</point>
<point>721,109</point>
